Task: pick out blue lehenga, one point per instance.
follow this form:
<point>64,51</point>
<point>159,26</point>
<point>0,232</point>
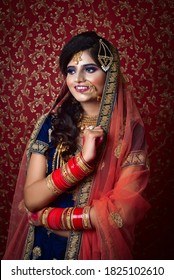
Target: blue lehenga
<point>42,243</point>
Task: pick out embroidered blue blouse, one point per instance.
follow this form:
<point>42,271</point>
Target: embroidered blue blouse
<point>46,244</point>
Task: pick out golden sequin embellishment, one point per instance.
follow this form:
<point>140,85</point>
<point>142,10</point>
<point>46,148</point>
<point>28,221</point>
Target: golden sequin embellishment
<point>36,252</point>
<point>77,57</point>
<point>117,219</point>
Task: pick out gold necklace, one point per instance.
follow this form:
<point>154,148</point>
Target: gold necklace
<point>87,121</point>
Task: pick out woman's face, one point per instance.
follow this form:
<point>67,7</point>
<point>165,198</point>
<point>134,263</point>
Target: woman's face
<point>85,79</point>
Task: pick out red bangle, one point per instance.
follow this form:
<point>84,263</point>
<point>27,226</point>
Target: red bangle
<point>54,218</point>
<point>58,180</point>
<point>63,218</point>
<point>76,171</point>
<point>76,218</point>
<point>83,165</point>
<point>68,175</point>
<point>67,218</point>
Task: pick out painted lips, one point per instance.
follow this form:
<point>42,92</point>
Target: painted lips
<point>82,89</point>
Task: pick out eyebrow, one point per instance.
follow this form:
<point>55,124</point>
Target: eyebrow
<point>84,65</point>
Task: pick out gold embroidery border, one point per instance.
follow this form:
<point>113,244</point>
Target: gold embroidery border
<point>107,104</point>
<point>74,241</point>
<point>135,158</point>
<point>30,237</point>
<point>35,133</point>
<point>29,243</point>
<point>39,146</point>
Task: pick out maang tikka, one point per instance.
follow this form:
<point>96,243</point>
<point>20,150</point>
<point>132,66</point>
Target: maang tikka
<point>77,57</point>
<point>103,58</point>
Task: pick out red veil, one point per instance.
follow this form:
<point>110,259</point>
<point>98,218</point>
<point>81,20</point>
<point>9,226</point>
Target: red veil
<point>115,191</point>
<point>117,188</point>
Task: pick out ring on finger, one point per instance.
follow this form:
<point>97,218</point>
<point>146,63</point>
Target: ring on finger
<point>91,127</point>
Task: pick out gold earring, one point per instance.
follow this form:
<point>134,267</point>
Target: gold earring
<point>98,98</point>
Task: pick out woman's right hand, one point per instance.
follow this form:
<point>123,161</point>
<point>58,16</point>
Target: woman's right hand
<point>91,140</point>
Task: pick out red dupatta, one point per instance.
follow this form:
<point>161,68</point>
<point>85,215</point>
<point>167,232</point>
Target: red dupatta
<point>115,191</point>
<point>118,185</point>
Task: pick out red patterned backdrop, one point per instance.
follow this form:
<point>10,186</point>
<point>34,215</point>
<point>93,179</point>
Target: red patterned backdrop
<point>32,33</point>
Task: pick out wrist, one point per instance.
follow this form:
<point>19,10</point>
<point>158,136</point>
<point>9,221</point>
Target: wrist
<point>88,162</point>
<point>72,218</point>
<point>69,174</point>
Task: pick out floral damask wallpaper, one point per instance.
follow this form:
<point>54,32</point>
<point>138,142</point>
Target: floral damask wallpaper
<point>32,33</point>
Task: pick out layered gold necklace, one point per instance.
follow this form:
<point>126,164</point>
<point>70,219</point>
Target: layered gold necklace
<point>87,122</point>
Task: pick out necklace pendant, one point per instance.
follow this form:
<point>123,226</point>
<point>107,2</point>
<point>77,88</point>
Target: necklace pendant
<point>87,122</point>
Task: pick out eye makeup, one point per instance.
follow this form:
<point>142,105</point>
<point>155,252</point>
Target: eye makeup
<point>90,68</point>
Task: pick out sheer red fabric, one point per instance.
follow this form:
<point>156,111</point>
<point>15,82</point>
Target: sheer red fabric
<point>118,185</point>
<point>18,226</point>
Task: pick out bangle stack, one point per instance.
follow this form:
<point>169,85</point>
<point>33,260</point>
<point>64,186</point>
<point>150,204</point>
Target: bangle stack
<point>72,218</point>
<point>68,175</point>
<point>84,167</point>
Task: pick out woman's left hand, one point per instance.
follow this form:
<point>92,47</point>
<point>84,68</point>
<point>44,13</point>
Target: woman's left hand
<point>35,218</point>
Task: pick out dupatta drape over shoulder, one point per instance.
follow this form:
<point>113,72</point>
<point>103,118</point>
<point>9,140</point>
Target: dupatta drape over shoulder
<point>115,191</point>
<point>118,185</point>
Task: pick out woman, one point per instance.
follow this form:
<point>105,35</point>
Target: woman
<point>86,164</point>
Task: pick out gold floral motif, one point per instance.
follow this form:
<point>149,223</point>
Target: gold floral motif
<point>36,252</point>
<point>29,243</point>
<point>117,219</point>
<point>117,151</point>
<point>135,158</point>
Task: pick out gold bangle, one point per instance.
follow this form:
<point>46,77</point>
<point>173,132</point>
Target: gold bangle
<point>84,161</point>
<point>83,166</point>
<point>45,216</point>
<point>51,186</point>
<point>73,178</point>
<point>86,218</point>
<point>68,176</point>
<point>63,225</point>
<point>72,213</point>
<point>68,218</point>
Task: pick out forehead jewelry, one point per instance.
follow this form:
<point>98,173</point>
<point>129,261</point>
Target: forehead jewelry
<point>104,59</point>
<point>77,57</point>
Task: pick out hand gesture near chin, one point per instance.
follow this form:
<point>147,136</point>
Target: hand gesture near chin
<point>93,137</point>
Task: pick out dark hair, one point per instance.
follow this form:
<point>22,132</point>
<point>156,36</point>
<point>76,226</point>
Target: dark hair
<point>88,40</point>
<point>68,115</point>
<point>65,128</point>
